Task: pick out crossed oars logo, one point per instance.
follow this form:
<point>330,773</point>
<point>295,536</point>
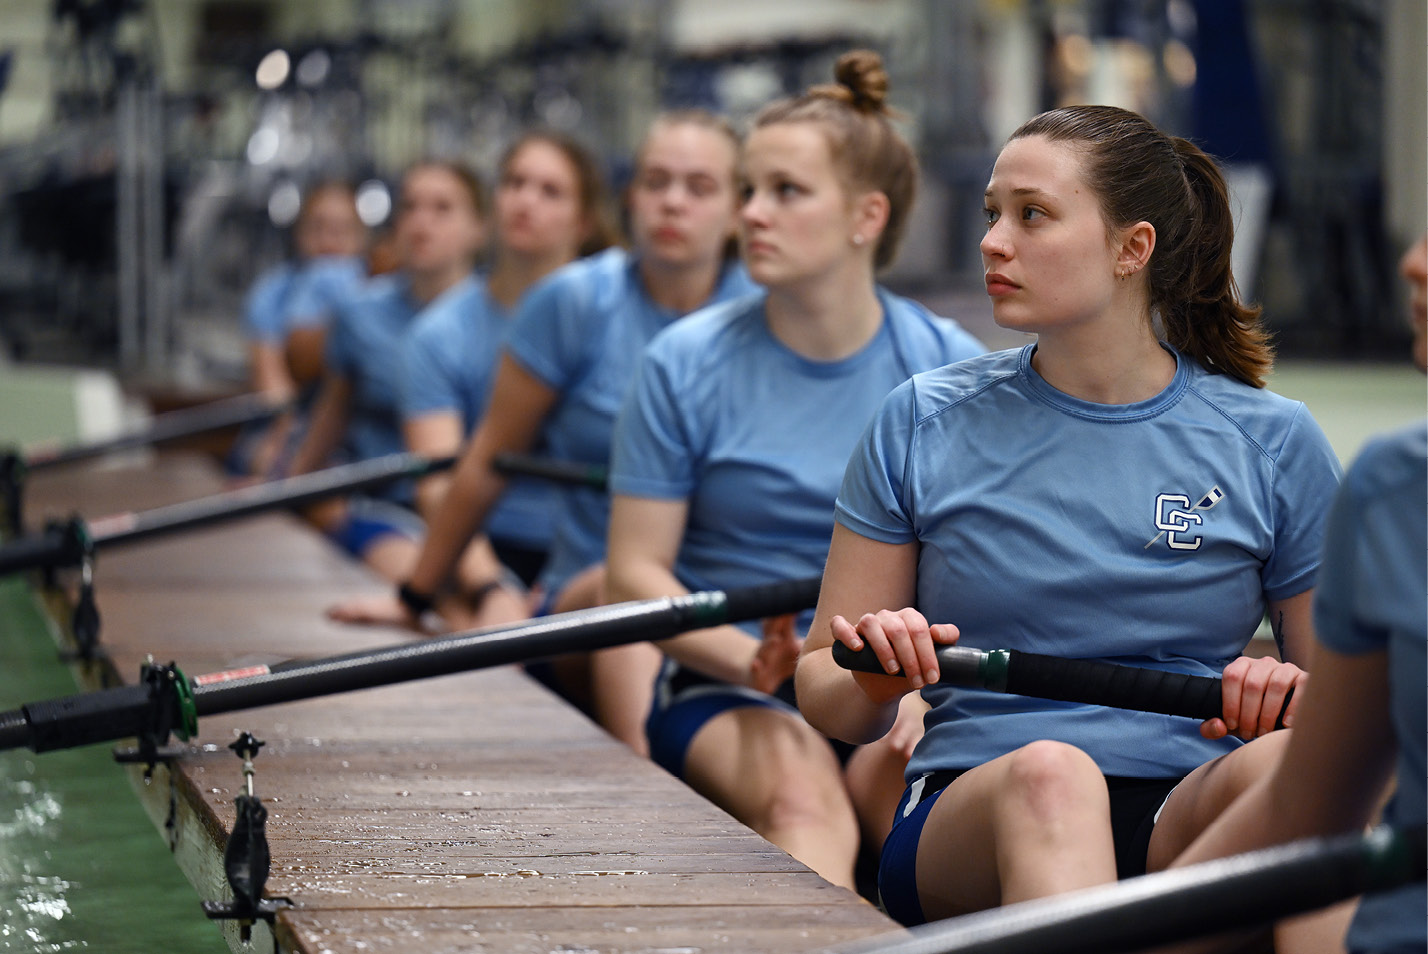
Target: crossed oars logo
<point>1207,501</point>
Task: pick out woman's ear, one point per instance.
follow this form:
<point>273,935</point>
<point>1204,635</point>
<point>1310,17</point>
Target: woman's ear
<point>1137,244</point>
<point>870,217</point>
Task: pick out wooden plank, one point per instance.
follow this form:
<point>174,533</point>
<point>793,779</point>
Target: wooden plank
<point>671,930</point>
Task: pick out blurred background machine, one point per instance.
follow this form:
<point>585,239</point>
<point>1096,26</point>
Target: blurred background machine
<point>153,152</point>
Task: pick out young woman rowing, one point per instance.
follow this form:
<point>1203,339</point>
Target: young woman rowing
<point>728,455</point>
<point>1100,493</point>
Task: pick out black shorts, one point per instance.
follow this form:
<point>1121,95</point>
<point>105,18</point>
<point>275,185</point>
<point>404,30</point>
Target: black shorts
<point>1135,802</point>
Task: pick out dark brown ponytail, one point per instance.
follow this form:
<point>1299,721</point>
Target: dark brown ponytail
<point>1202,312</point>
<point>1142,175</point>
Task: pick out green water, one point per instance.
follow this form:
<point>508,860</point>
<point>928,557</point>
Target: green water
<point>81,866</point>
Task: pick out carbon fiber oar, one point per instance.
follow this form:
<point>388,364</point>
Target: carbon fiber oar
<point>175,425</point>
<point>1234,893</point>
<point>68,544</point>
<point>561,471</point>
<point>1067,680</point>
<point>167,701</point>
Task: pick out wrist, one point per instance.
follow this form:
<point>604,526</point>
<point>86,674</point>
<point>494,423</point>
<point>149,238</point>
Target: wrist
<point>478,594</point>
<point>416,602</point>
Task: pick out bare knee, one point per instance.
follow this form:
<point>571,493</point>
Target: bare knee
<point>1047,780</point>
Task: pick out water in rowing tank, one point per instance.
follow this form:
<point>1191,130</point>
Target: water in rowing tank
<point>82,868</point>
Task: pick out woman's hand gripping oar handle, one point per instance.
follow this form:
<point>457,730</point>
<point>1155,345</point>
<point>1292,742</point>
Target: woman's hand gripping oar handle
<point>1066,680</point>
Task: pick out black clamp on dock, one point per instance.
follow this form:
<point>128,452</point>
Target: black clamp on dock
<point>170,711</point>
<point>245,859</point>
<point>70,543</point>
<point>12,490</point>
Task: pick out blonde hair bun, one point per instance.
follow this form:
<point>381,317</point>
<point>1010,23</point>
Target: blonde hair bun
<point>862,82</point>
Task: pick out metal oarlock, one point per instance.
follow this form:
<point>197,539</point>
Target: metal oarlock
<point>84,624</point>
<point>246,861</point>
<point>169,711</point>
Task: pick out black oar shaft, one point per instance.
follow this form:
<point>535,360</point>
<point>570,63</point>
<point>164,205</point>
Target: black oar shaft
<point>175,425</point>
<point>1238,892</point>
<point>118,713</point>
<point>1067,680</point>
<point>262,498</point>
<point>57,546</point>
<point>51,548</point>
<point>561,471</point>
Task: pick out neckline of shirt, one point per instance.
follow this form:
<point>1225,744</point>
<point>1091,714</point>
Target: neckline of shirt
<point>881,340</point>
<point>1089,410</point>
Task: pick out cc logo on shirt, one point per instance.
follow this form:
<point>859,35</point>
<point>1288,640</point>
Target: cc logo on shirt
<point>1176,517</point>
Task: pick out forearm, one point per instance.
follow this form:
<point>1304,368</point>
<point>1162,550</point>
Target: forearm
<point>721,652</point>
<point>430,492</point>
<point>269,373</point>
<point>473,490</point>
<point>862,576</point>
<point>324,430</point>
<point>838,704</point>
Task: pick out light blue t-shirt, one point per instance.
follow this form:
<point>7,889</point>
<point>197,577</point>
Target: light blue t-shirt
<point>264,315</point>
<point>1373,597</point>
<point>363,346</point>
<point>321,288</point>
<point>449,361</point>
<point>581,331</point>
<point>1149,534</point>
<point>756,437</point>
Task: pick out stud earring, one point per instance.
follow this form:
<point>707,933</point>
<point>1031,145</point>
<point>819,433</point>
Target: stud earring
<point>858,239</point>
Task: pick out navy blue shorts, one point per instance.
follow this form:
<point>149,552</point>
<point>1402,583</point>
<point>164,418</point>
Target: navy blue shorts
<point>1135,803</point>
<point>673,724</point>
<point>368,520</point>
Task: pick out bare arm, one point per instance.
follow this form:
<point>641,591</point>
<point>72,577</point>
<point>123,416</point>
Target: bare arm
<point>864,578</point>
<point>325,427</point>
<point>644,540</point>
<point>268,372</point>
<point>519,404</point>
<point>305,350</point>
<point>437,434</point>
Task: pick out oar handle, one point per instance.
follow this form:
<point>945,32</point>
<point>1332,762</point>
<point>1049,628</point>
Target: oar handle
<point>561,471</point>
<point>1066,680</point>
<point>58,545</point>
<point>770,599</point>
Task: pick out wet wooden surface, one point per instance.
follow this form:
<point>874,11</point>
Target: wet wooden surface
<point>474,812</point>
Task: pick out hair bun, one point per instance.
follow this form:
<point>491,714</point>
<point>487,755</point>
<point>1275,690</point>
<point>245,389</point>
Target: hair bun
<point>861,73</point>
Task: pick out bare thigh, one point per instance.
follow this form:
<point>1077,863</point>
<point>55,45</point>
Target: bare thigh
<point>769,769</point>
<point>1207,792</point>
<point>1031,823</point>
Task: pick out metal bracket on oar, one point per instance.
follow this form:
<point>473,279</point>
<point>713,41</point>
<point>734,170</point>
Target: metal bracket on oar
<point>246,861</point>
<point>1066,680</point>
<point>169,710</point>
